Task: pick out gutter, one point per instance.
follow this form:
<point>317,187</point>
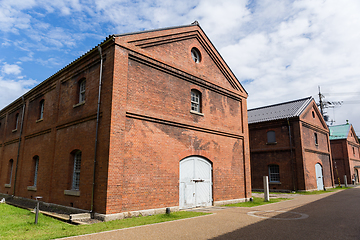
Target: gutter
<point>18,154</point>
<point>97,133</point>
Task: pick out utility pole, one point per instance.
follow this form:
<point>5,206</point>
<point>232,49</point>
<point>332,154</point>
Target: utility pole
<point>321,103</point>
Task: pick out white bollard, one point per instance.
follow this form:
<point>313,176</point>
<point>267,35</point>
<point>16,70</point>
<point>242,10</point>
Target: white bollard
<point>345,180</point>
<point>266,188</point>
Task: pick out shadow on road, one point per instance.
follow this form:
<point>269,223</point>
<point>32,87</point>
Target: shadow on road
<point>334,217</point>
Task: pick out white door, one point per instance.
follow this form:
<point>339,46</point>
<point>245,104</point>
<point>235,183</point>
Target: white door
<point>195,183</point>
<point>319,177</point>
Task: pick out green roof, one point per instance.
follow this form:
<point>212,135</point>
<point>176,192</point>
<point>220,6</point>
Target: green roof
<point>339,131</point>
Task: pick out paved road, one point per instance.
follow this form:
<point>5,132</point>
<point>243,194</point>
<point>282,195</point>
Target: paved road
<point>326,216</point>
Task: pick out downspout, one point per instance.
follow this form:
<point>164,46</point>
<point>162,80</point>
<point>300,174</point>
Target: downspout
<point>291,156</point>
<point>96,136</point>
<point>18,154</point>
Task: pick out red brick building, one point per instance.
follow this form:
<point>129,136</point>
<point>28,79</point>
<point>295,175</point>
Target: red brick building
<point>289,142</point>
<point>345,149</point>
<point>172,128</point>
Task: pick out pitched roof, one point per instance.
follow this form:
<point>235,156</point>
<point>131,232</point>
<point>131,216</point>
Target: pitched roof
<point>339,131</point>
<point>278,111</point>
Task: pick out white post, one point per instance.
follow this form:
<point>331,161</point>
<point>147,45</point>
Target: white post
<point>345,180</point>
<point>266,188</point>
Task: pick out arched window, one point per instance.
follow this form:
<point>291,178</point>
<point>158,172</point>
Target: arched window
<point>10,170</point>
<point>195,54</point>
<point>316,138</point>
<point>16,121</point>
<point>195,101</point>
<point>76,171</point>
<point>274,174</point>
<point>271,137</point>
<point>41,109</point>
<point>82,88</point>
<point>36,167</point>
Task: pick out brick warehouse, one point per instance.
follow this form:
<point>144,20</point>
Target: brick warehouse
<point>345,149</point>
<point>289,142</point>
<point>172,128</point>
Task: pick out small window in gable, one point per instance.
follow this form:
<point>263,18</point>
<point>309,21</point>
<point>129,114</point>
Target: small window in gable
<point>195,54</point>
<point>82,88</point>
<point>316,138</point>
<point>353,151</point>
<point>271,137</point>
<point>195,101</point>
<point>313,114</point>
<point>41,109</point>
<point>274,173</point>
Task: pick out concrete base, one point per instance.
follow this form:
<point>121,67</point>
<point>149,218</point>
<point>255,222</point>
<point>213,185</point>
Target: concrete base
<point>147,212</point>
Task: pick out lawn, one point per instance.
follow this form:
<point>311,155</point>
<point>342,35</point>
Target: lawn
<point>17,223</point>
<point>257,201</point>
<point>314,192</point>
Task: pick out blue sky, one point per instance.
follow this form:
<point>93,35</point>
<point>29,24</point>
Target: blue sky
<point>279,50</point>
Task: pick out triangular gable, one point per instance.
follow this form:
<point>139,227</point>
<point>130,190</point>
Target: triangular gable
<point>312,115</point>
<point>173,46</point>
<point>352,135</point>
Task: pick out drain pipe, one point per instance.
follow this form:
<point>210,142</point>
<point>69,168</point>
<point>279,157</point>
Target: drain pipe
<point>18,153</point>
<point>291,156</point>
<point>96,136</point>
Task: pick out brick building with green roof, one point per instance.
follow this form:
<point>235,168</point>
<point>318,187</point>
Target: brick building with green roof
<point>345,149</point>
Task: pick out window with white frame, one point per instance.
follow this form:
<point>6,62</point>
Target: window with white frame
<point>82,88</point>
<point>274,174</point>
<point>36,167</point>
<point>41,112</point>
<point>76,171</point>
<point>195,101</point>
<point>271,137</point>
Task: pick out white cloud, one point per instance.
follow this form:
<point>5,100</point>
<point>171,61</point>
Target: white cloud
<point>11,69</point>
<point>10,90</point>
<point>279,49</point>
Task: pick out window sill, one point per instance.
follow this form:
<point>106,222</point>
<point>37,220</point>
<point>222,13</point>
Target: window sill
<point>39,120</point>
<point>79,104</point>
<point>316,144</point>
<point>8,185</point>
<point>275,183</point>
<point>32,188</point>
<point>271,143</point>
<point>197,113</point>
<point>75,193</point>
<point>14,130</point>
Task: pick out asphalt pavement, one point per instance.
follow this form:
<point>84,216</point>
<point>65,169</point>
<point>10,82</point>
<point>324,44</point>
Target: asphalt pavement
<point>333,215</point>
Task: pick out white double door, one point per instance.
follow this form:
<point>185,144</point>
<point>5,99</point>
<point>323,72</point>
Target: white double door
<point>195,183</point>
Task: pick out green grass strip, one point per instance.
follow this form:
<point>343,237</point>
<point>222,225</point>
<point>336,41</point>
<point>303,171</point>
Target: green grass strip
<point>257,201</point>
<point>17,223</point>
<point>314,192</point>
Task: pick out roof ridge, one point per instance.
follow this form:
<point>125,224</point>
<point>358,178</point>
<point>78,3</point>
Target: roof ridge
<point>273,105</point>
<point>196,23</point>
